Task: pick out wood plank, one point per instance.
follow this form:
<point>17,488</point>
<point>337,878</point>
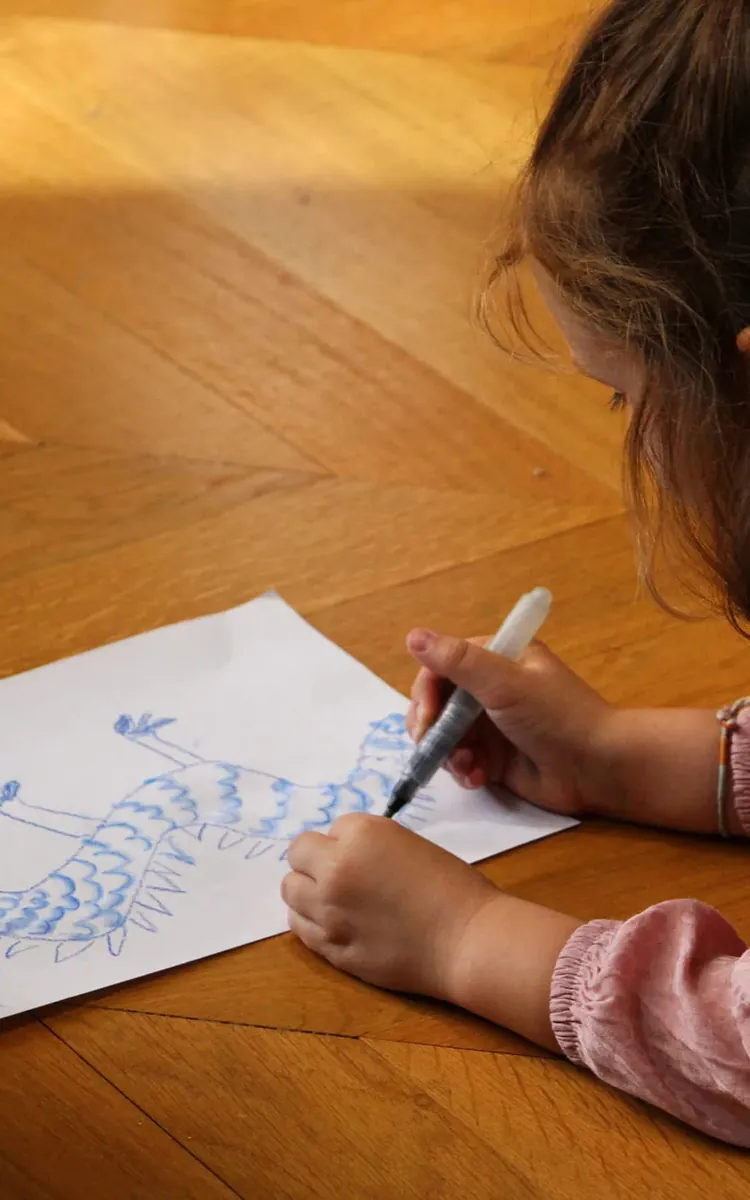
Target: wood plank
<point>83,380</point>
<point>318,545</point>
<point>319,379</point>
<point>65,1130</point>
<point>58,503</point>
<point>10,435</point>
<point>280,1114</point>
<point>613,871</point>
<point>474,28</point>
<point>277,984</point>
<point>596,607</point>
<point>355,210</point>
<point>569,1135</point>
<point>620,641</point>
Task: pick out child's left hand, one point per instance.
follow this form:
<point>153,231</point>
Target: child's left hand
<point>380,902</point>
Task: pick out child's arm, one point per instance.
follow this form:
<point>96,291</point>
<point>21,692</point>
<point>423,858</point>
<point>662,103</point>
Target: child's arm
<point>660,767</point>
<point>658,1006</point>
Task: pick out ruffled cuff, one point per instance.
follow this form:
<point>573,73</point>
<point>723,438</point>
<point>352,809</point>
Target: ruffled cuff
<point>740,757</point>
<point>577,962</point>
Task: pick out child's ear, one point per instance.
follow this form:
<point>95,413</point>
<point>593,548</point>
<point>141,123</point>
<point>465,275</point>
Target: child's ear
<point>743,340</point>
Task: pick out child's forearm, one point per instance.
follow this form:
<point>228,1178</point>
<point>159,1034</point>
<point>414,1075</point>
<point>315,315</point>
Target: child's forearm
<point>504,965</point>
<point>625,1000</point>
<point>650,766</point>
<point>659,767</point>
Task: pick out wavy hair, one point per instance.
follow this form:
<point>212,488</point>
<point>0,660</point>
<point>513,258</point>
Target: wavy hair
<point>636,199</point>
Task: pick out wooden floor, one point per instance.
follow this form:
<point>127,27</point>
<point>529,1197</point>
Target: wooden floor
<point>239,241</point>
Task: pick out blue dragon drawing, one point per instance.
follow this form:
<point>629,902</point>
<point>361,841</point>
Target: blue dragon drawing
<point>124,867</point>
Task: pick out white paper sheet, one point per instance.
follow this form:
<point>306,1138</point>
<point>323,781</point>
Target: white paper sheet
<point>152,788</point>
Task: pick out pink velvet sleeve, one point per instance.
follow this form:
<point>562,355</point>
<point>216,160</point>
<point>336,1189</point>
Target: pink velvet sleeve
<point>659,1005</point>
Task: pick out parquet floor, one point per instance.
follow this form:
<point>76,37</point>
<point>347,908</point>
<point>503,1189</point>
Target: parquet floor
<point>239,241</point>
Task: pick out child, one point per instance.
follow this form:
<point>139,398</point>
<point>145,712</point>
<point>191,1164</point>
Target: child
<point>634,212</point>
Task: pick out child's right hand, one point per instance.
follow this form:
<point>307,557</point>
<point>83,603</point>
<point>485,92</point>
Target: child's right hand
<point>540,725</point>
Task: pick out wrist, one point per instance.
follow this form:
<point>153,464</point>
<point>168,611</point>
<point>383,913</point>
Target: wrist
<point>656,767</point>
<point>503,963</point>
<point>602,782</point>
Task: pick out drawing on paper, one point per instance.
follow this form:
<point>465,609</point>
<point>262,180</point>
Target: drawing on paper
<point>127,868</point>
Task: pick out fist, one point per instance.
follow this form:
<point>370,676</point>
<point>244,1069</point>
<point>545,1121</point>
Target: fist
<point>382,903</point>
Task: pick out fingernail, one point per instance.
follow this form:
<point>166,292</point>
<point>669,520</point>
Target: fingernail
<point>476,779</point>
<point>421,640</point>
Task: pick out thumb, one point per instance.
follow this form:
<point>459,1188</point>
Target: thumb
<point>492,679</point>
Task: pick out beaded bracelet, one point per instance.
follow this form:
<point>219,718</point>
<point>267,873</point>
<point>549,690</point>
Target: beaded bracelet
<point>727,718</point>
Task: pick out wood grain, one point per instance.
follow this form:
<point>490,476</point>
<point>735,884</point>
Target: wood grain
<point>525,1110</point>
<point>318,545</point>
<point>362,407</point>
<point>87,381</point>
<point>276,984</point>
<point>65,1131</point>
<point>369,199</point>
<point>241,245</point>
<point>475,28</point>
<point>251,1121</point>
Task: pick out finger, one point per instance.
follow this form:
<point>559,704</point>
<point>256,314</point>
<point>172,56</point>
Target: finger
<point>461,763</point>
<point>308,851</point>
<point>310,934</point>
<point>523,778</point>
<point>433,693</point>
<point>412,719</point>
<point>425,684</point>
<point>491,678</point>
<point>300,893</point>
<point>425,673</point>
<point>453,773</point>
<point>473,749</point>
<point>463,759</point>
<point>467,771</point>
<point>426,700</point>
<point>429,694</point>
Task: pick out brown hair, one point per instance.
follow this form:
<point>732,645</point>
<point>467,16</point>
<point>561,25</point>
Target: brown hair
<point>636,199</point>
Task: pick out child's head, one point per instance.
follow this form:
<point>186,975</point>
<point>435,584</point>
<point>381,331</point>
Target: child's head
<point>635,210</point>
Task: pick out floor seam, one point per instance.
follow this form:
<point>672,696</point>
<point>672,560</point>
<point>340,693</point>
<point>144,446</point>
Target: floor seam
<point>436,572</point>
<point>145,1113</point>
<point>293,1029</point>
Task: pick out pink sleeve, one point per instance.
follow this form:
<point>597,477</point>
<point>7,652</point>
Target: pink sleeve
<point>659,1005</point>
